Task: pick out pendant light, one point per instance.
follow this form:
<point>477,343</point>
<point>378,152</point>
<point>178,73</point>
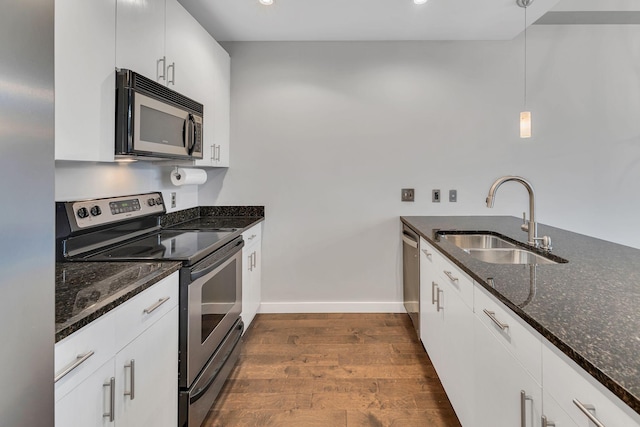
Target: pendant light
<point>525,116</point>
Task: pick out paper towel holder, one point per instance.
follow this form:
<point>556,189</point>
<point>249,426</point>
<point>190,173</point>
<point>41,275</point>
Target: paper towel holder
<point>177,172</point>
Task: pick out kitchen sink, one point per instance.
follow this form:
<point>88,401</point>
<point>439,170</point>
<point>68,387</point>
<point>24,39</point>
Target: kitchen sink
<point>508,256</point>
<point>477,241</point>
<point>496,250</point>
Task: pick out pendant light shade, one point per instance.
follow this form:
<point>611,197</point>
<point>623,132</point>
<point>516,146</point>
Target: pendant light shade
<point>525,116</point>
<point>525,124</point>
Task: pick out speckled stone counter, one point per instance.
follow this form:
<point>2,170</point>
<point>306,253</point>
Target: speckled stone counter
<point>206,217</point>
<point>588,307</point>
<point>87,290</point>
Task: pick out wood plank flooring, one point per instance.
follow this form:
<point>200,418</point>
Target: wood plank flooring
<point>332,370</point>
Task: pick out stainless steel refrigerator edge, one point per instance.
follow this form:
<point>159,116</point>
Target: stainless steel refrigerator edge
<point>411,275</point>
<point>27,188</point>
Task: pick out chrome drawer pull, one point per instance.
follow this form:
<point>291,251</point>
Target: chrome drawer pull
<point>523,407</point>
<point>492,316</point>
<point>438,306</point>
<point>427,253</point>
<point>151,309</point>
<point>112,400</point>
<point>252,237</point>
<point>131,393</point>
<point>450,276</point>
<point>80,359</point>
<point>587,410</point>
<point>434,285</point>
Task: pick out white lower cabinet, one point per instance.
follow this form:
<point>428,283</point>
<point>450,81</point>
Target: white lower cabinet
<point>446,329</point>
<point>251,273</point>
<point>135,348</point>
<point>496,370</point>
<point>504,390</point>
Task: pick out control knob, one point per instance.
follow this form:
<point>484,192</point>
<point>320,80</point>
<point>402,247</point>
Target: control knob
<point>159,201</point>
<point>95,210</point>
<point>82,213</point>
<point>151,202</point>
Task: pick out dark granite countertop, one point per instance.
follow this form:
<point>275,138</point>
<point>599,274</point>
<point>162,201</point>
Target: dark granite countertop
<point>87,290</point>
<point>587,307</point>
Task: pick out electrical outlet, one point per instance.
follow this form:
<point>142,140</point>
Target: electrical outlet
<point>173,199</point>
<point>435,196</point>
<point>408,194</point>
<point>453,196</point>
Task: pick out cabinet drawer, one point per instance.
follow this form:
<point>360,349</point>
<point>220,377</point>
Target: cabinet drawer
<point>565,381</point>
<point>99,337</point>
<point>252,235</point>
<point>445,273</point>
<point>142,311</point>
<point>520,339</point>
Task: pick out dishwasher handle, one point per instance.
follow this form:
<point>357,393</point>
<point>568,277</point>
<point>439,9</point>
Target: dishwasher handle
<point>409,240</point>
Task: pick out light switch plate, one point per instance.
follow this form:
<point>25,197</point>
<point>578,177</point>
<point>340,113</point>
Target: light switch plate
<point>173,199</point>
<point>453,196</point>
<point>435,196</point>
<point>408,194</point>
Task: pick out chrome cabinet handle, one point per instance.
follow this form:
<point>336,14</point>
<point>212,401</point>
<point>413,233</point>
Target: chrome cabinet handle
<point>173,74</point>
<point>547,423</point>
<point>154,307</point>
<point>587,410</point>
<point>434,285</point>
<point>427,253</point>
<point>131,393</point>
<point>492,316</point>
<point>255,259</point>
<point>438,307</point>
<point>252,237</point>
<point>450,276</point>
<point>112,400</point>
<point>218,156</point>
<point>80,359</point>
<point>213,153</point>
<point>163,74</point>
<point>523,407</point>
<point>250,259</point>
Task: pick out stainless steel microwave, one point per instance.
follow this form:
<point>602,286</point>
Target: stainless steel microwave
<point>155,122</point>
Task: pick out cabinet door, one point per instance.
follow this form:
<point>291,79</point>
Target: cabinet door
<point>216,92</point>
<point>86,405</point>
<point>431,319</point>
<point>186,44</point>
<point>499,381</point>
<point>140,37</point>
<point>554,413</point>
<point>85,98</point>
<point>251,293</point>
<point>155,376</point>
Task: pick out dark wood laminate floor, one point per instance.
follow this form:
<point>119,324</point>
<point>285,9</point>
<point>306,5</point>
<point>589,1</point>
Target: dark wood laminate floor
<point>332,370</point>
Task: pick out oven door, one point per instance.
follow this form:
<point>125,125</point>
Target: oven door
<point>214,303</point>
<point>165,130</point>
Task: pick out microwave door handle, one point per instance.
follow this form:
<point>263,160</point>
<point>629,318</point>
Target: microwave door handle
<point>192,134</point>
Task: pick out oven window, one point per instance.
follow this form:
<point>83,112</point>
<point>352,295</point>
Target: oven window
<point>218,298</point>
<point>160,127</point>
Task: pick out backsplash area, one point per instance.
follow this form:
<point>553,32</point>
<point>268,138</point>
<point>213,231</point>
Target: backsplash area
<point>82,180</point>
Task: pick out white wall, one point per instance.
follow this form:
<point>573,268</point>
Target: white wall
<point>82,180</point>
<point>326,134</point>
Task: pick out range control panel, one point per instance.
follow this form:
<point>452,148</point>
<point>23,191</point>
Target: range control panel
<point>92,213</point>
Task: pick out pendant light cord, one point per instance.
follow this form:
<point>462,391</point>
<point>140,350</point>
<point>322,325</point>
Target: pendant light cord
<point>525,57</point>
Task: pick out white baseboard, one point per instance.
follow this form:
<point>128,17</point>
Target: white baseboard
<point>331,307</point>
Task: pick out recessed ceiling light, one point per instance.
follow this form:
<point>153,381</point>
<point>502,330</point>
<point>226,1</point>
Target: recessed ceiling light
<point>419,1</point>
<point>266,2</point>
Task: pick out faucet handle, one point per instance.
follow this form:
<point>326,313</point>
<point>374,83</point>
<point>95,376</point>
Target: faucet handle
<point>525,224</point>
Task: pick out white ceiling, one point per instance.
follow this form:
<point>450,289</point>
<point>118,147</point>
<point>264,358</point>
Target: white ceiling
<point>306,20</point>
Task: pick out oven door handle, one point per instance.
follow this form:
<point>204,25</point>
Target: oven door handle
<point>196,274</point>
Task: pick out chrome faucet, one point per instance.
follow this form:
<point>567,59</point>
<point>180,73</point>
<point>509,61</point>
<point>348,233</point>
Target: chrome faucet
<point>531,227</point>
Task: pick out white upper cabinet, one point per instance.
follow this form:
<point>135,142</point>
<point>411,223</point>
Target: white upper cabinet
<point>85,48</point>
<point>140,38</point>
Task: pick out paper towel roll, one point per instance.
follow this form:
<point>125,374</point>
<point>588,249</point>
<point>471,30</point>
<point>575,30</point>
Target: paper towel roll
<point>180,176</point>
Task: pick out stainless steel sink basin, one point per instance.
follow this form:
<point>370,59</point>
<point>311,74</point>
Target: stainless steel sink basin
<point>477,241</point>
<point>495,250</point>
<point>508,256</point>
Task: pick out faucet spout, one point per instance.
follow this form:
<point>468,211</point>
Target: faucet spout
<point>532,226</point>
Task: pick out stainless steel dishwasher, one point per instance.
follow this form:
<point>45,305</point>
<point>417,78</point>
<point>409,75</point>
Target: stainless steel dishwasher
<point>411,275</point>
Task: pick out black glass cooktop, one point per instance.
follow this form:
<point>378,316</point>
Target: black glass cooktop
<point>170,245</point>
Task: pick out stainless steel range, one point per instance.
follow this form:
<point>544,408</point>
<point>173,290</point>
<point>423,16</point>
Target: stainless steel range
<point>128,229</point>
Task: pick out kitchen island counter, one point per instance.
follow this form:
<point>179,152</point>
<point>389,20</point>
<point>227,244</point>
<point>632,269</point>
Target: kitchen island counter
<point>588,307</point>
